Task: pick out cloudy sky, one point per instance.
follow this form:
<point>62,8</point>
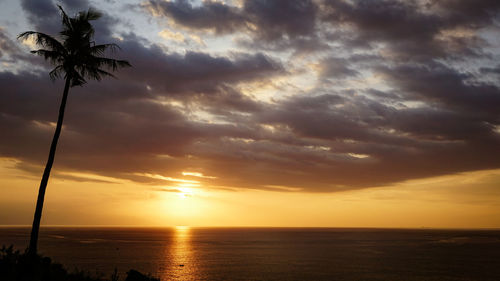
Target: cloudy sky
<point>253,112</point>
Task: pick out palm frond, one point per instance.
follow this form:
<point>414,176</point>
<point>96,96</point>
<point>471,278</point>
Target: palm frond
<point>105,73</point>
<point>98,74</point>
<point>102,48</point>
<point>53,56</point>
<point>43,40</point>
<point>56,72</point>
<point>91,14</point>
<point>111,63</point>
<point>77,79</point>
<point>66,21</point>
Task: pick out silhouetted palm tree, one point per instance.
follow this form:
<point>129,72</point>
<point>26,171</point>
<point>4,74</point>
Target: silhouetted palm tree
<point>76,58</point>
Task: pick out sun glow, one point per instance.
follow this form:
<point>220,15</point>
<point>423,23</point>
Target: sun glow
<point>185,192</point>
<point>196,174</point>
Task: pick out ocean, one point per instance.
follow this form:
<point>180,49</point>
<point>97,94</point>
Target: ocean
<point>184,253</point>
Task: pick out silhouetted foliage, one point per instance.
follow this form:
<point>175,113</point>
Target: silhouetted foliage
<point>134,275</point>
<point>76,58</point>
<point>16,266</point>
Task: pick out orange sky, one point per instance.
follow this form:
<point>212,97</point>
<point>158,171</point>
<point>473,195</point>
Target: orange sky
<point>469,200</point>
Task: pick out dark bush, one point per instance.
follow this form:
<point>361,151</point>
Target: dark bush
<point>17,266</point>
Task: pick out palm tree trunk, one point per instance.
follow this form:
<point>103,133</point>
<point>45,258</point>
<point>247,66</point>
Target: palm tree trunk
<point>46,173</point>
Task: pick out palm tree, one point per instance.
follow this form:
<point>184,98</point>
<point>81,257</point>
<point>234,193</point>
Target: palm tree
<point>76,58</point>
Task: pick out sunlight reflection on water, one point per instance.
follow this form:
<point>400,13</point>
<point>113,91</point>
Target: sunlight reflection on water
<point>181,266</point>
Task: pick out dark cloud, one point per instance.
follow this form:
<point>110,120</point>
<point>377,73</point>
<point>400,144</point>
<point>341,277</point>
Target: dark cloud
<point>412,29</point>
<point>361,142</point>
<point>14,56</point>
<point>97,119</point>
<point>6,44</point>
<point>75,5</point>
<point>197,78</point>
<point>45,16</point>
<point>336,68</point>
<point>216,16</point>
<point>385,20</point>
<point>127,116</point>
<point>193,71</point>
<point>413,110</point>
<point>440,125</point>
<point>269,21</point>
<point>273,19</point>
<point>490,70</point>
<point>437,83</point>
<point>471,13</point>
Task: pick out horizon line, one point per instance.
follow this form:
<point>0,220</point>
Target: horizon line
<point>242,226</point>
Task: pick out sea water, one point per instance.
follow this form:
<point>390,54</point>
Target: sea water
<point>184,253</point>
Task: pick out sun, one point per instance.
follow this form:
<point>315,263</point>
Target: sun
<point>185,192</point>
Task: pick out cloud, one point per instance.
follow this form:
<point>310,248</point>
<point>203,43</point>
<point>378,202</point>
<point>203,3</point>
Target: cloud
<point>6,45</point>
<point>267,21</point>
<point>127,116</point>
<point>413,29</point>
<point>490,70</point>
<point>437,83</point>
<point>11,54</point>
<point>382,92</point>
<point>194,72</point>
<point>45,16</point>
<point>336,68</point>
<point>215,16</point>
<point>272,19</point>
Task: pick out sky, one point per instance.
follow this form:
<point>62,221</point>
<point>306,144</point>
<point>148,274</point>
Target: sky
<point>331,113</point>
